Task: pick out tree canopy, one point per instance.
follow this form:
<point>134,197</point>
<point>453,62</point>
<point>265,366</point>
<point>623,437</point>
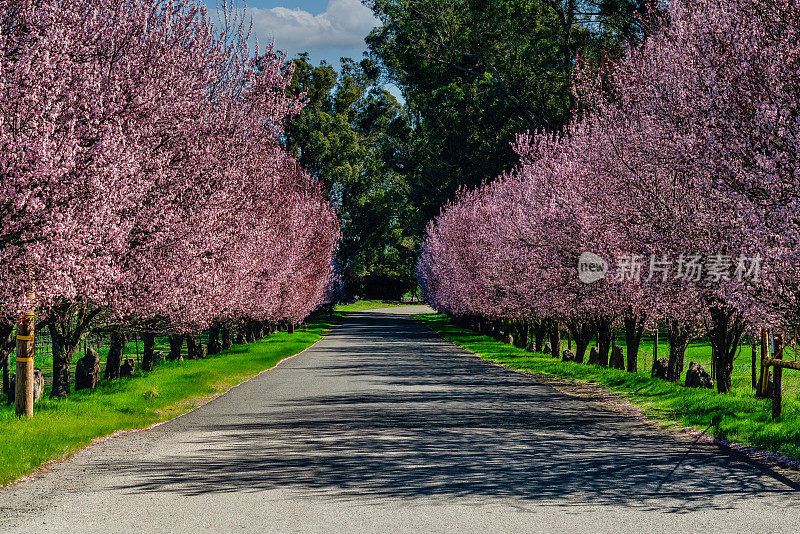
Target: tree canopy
<point>353,135</point>
<point>475,73</point>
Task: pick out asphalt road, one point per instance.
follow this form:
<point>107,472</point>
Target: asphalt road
<point>384,427</point>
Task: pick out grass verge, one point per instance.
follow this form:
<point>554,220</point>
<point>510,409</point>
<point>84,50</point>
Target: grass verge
<point>740,418</point>
<point>60,428</point>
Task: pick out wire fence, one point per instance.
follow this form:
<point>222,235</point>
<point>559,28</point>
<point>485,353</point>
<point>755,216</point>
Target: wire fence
<point>99,340</point>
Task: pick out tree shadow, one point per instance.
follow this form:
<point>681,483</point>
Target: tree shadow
<point>422,420</point>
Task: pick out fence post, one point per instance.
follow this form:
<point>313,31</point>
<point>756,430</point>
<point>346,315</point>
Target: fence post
<point>25,350</point>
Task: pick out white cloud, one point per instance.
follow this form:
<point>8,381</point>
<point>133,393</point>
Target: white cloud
<point>344,24</point>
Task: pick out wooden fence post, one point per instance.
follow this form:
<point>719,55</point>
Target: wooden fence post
<point>26,327</point>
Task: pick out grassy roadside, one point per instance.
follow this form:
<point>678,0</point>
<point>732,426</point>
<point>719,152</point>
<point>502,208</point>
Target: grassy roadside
<point>61,427</point>
<point>740,418</point>
<point>133,348</point>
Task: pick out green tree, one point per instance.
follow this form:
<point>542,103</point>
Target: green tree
<point>475,73</point>
<point>353,135</point>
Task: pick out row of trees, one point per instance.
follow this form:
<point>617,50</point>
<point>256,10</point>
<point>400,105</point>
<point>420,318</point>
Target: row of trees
<point>143,177</point>
<point>685,146</point>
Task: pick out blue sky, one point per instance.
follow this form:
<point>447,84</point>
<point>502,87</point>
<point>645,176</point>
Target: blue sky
<point>327,29</point>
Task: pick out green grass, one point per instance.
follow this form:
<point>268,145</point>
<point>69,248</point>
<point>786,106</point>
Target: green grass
<point>741,417</point>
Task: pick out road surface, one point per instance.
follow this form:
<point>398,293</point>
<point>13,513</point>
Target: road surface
<point>384,427</point>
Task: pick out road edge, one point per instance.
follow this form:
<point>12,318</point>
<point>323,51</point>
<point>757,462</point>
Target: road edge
<point>783,469</point>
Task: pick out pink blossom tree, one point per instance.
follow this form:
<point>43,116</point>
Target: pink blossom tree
<point>94,103</point>
<point>142,147</point>
<point>702,121</point>
<point>534,223</point>
<point>687,145</point>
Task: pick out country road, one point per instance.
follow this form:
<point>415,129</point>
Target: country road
<point>384,427</point>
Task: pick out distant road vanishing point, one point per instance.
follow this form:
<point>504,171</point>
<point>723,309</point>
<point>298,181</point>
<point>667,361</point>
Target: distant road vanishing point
<point>384,427</point>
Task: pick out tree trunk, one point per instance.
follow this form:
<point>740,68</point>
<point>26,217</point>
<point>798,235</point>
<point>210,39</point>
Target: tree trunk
<point>526,334</point>
<point>68,325</point>
<point>582,332</point>
<point>239,339</point>
<point>115,353</point>
<point>679,337</point>
<point>727,327</point>
<point>655,351</point>
<point>195,347</point>
<point>603,325</point>
<point>777,378</point>
<point>634,328</point>
<point>63,351</point>
<point>555,339</point>
<point>521,334</point>
<point>214,346</point>
<point>148,357</point>
<point>7,345</point>
<point>175,346</point>
<point>191,347</point>
<point>227,342</point>
<point>539,332</point>
<point>249,332</point>
<point>753,362</point>
<point>763,382</point>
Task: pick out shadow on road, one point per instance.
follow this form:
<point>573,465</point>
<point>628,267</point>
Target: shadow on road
<point>423,420</point>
